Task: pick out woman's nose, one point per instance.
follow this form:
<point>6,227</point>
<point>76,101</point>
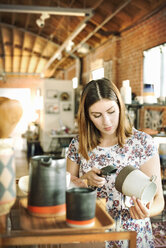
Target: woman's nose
<point>106,119</point>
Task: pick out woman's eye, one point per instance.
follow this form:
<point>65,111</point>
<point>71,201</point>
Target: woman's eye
<point>96,116</point>
<point>111,112</point>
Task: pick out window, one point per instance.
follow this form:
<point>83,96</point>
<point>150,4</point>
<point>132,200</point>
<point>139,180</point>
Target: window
<point>100,68</point>
<point>98,73</point>
<point>75,82</point>
<point>155,69</point>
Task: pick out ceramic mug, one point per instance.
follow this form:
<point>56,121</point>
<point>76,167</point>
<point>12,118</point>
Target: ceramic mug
<point>133,182</point>
<point>80,207</point>
<point>139,99</point>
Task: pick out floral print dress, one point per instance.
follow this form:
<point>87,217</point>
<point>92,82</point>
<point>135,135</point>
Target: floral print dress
<point>139,148</point>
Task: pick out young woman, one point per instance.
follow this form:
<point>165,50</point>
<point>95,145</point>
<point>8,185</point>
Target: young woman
<point>107,138</point>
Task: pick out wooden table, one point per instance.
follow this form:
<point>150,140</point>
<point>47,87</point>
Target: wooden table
<point>19,236</point>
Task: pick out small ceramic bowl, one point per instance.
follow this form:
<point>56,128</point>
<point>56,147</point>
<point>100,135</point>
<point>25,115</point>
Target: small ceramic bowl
<point>68,176</point>
<point>23,184</point>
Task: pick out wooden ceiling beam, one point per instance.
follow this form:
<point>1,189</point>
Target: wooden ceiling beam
<point>31,55</point>
<point>3,53</point>
<point>141,4</point>
<point>12,49</point>
<point>22,51</point>
<point>6,37</point>
<point>78,29</point>
<point>107,19</point>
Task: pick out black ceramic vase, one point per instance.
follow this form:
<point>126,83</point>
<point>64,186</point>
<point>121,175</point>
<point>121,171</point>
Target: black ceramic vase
<point>47,186</point>
<point>81,207</point>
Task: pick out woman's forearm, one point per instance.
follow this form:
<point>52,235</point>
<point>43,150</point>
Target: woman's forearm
<point>157,206</point>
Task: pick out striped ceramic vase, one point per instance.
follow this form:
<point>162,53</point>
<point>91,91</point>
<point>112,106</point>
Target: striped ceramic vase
<point>7,176</point>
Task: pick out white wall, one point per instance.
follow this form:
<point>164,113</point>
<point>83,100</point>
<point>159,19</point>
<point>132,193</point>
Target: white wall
<point>52,121</point>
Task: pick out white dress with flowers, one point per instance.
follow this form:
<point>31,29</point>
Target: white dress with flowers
<point>139,148</point>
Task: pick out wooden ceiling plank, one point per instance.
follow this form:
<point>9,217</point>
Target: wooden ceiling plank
<point>13,18</point>
<point>124,16</point>
<point>22,50</point>
<point>39,58</point>
<point>95,23</point>
<point>13,49</point>
<point>31,55</point>
<point>141,4</point>
<point>2,69</point>
<point>7,38</point>
<point>18,44</point>
<point>32,64</point>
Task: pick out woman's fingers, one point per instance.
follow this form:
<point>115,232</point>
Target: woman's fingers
<point>94,179</point>
<point>139,210</point>
<point>78,182</point>
<point>133,213</point>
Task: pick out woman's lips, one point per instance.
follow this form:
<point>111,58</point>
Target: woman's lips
<point>107,128</point>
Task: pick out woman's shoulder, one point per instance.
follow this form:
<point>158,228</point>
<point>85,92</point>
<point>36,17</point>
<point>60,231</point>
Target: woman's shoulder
<point>143,141</point>
<point>140,137</point>
<point>74,141</point>
<point>137,134</point>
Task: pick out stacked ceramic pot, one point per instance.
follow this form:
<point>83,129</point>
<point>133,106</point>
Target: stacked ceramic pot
<point>10,114</point>
<point>7,176</point>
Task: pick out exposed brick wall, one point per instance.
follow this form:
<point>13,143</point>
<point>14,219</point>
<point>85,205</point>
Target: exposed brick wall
<point>126,51</point>
<point>143,36</point>
<point>108,51</point>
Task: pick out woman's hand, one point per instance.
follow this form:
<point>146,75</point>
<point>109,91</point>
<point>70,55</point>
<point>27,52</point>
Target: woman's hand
<point>78,182</point>
<point>139,210</point>
<point>93,178</point>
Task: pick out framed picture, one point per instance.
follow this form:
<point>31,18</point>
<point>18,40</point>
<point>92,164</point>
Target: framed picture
<point>52,108</point>
<point>52,94</point>
<point>65,96</point>
<point>67,107</point>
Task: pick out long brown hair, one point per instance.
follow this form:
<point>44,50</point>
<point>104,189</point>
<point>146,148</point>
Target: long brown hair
<point>89,135</point>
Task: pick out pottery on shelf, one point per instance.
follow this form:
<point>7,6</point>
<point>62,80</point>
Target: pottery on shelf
<point>10,114</point>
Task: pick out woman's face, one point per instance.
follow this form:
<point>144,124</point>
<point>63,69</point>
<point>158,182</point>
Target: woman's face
<point>105,116</point>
